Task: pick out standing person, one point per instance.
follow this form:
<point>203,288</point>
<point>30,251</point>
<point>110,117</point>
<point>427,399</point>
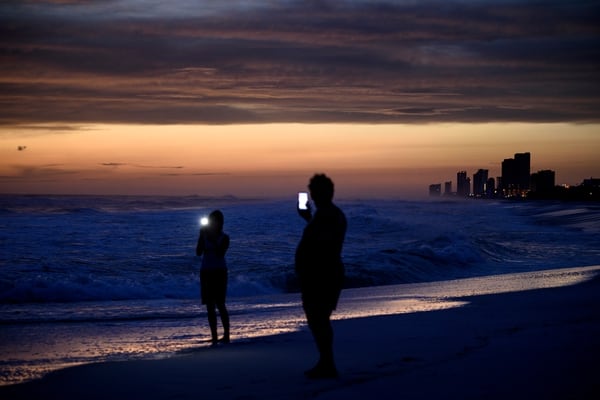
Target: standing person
<point>320,270</point>
<point>212,246</point>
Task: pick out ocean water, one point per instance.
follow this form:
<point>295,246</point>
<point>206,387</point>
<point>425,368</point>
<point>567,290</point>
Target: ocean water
<point>93,278</point>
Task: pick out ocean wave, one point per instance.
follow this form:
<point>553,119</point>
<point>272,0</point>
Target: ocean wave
<point>75,287</point>
<point>88,256</point>
<point>101,311</point>
<point>82,204</point>
<point>584,217</point>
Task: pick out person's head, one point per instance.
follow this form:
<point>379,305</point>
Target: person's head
<point>321,189</point>
<point>216,220</point>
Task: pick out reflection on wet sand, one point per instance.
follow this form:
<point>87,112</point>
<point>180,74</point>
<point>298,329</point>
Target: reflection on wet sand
<point>31,349</point>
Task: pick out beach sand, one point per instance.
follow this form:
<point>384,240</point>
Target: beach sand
<point>537,344</point>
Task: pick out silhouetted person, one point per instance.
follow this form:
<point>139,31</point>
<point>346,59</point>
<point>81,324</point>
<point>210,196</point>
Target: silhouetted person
<point>212,246</point>
<point>320,270</point>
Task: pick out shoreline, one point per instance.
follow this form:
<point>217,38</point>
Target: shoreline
<point>541,343</point>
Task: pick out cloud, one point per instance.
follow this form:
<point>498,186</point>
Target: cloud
<point>198,174</point>
<point>116,164</point>
<point>161,167</point>
<point>112,164</point>
<point>349,61</point>
<point>42,173</point>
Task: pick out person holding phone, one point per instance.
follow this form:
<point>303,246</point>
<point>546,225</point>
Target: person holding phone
<point>320,270</point>
<point>212,246</point>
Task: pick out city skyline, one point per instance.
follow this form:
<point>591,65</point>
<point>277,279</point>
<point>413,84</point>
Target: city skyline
<point>516,180</point>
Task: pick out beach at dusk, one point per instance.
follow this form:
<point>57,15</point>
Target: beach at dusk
<point>535,343</point>
<point>111,283</point>
<point>448,151</point>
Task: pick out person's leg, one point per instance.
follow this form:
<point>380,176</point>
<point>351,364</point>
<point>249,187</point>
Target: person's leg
<point>320,325</point>
<point>225,321</point>
<point>212,321</point>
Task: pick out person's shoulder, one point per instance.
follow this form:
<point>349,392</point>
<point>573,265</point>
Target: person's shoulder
<point>338,210</point>
<point>340,216</point>
<point>333,212</point>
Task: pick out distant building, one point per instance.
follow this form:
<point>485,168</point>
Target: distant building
<point>463,184</point>
<point>590,189</point>
<point>448,188</point>
<point>490,190</point>
<point>592,183</point>
<point>516,175</point>
<point>543,181</point>
<point>435,190</point>
<point>480,179</point>
<point>542,187</point>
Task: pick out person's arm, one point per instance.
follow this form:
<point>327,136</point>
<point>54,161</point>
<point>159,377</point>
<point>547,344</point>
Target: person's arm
<point>200,244</point>
<point>306,213</point>
<point>222,246</point>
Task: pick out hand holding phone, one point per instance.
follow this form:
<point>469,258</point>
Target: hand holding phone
<point>303,201</point>
<point>304,206</point>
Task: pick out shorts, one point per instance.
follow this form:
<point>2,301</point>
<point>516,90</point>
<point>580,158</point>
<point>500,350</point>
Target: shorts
<point>213,285</point>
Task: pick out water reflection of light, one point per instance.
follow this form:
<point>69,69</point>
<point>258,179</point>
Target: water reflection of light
<point>399,306</point>
<point>432,296</point>
<point>44,347</point>
<point>276,314</point>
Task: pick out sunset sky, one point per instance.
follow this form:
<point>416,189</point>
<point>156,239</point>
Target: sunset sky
<point>250,98</point>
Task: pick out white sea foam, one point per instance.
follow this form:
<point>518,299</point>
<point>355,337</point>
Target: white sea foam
<point>73,249</point>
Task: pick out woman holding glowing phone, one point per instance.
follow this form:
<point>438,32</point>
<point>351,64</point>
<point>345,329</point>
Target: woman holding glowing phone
<point>212,246</point>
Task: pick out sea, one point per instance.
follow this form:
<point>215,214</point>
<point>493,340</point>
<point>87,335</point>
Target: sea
<point>107,278</point>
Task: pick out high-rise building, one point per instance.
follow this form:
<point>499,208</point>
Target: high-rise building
<point>448,188</point>
<point>480,179</point>
<point>516,175</point>
<point>543,181</point>
<point>490,190</point>
<point>435,190</point>
<point>463,184</point>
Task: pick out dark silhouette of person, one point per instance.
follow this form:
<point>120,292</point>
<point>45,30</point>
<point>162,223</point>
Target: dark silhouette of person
<point>212,246</point>
<point>320,270</point>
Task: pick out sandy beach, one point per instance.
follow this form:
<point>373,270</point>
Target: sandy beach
<point>535,344</point>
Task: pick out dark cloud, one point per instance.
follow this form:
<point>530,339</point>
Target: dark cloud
<point>113,164</point>
<point>117,164</point>
<point>42,173</point>
<point>199,174</point>
<point>51,127</point>
<point>388,61</point>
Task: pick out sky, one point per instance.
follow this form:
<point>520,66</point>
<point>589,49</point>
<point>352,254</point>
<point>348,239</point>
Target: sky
<point>250,98</point>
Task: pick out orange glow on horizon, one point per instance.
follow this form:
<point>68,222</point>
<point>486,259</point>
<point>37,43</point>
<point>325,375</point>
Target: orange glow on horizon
<point>273,159</point>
